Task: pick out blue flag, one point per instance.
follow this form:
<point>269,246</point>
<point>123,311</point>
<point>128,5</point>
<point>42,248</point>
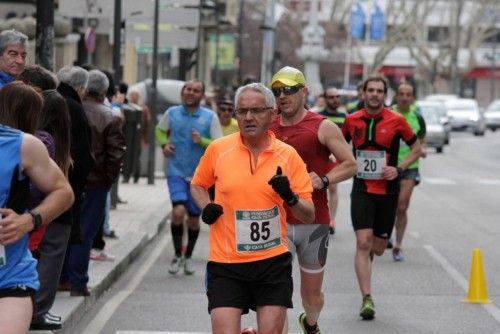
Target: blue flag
<point>358,21</point>
<point>377,26</point>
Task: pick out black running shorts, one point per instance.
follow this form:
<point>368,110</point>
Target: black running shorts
<point>248,285</point>
<point>411,174</point>
<point>377,212</point>
<point>17,291</point>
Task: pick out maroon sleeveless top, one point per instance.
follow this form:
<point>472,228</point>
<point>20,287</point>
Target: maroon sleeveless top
<point>304,138</point>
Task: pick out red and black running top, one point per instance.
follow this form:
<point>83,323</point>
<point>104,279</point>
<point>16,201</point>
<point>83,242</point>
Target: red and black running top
<point>375,137</point>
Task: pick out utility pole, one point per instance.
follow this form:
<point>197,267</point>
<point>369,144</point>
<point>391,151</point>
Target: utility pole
<point>240,42</point>
<point>217,41</point>
<point>117,45</point>
<point>268,42</point>
<point>152,99</point>
<point>493,58</point>
<point>44,53</point>
<point>455,48</point>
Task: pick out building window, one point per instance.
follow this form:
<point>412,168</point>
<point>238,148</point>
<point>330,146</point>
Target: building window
<point>438,34</point>
<point>494,36</point>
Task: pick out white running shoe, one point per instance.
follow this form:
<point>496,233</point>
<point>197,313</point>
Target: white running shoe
<point>188,266</point>
<point>175,265</point>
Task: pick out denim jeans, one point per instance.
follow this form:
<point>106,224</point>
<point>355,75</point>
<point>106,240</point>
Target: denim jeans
<point>92,218</point>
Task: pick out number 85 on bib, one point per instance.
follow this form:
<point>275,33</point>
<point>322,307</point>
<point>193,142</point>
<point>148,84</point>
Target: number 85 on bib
<point>257,230</point>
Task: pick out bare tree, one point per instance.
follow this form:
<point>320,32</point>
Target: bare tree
<point>468,24</point>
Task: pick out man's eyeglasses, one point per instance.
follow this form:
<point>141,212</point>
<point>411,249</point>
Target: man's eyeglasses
<point>287,90</point>
<point>242,112</point>
<point>333,97</point>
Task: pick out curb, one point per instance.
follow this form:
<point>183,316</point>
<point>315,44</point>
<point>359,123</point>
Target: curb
<point>102,275</point>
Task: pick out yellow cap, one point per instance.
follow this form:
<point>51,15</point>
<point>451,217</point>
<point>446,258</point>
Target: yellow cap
<point>288,76</point>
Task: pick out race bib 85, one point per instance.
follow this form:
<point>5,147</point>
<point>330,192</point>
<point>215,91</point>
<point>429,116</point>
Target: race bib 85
<point>257,230</point>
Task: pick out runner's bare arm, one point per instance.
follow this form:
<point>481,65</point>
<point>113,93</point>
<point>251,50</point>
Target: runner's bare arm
<point>200,196</point>
<point>329,134</point>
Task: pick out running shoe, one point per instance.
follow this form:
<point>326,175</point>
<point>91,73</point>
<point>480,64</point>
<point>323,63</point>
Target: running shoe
<point>367,311</point>
<point>101,255</point>
<point>389,244</point>
<point>176,264</point>
<point>188,266</point>
<point>302,323</point>
<point>249,330</point>
<point>397,254</point>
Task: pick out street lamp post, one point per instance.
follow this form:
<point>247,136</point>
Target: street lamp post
<point>494,56</point>
<point>493,68</point>
<point>152,101</point>
<point>217,39</point>
<point>240,42</point>
<point>117,45</point>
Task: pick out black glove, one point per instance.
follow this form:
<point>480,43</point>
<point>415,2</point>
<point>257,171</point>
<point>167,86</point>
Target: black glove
<point>211,213</point>
<point>281,185</point>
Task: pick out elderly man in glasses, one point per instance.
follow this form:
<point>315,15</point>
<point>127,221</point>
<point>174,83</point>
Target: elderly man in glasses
<point>315,138</point>
<point>256,177</point>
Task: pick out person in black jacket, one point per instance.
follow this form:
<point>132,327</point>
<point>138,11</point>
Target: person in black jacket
<point>73,82</point>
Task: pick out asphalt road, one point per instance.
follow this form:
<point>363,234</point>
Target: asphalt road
<point>454,210</point>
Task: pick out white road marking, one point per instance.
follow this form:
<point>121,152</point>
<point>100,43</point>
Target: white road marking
<point>489,182</point>
<point>107,310</point>
<point>439,181</point>
<point>492,309</point>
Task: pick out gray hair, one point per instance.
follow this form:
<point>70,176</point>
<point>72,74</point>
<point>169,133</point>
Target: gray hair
<point>98,83</point>
<point>74,76</point>
<point>259,88</point>
<point>8,37</point>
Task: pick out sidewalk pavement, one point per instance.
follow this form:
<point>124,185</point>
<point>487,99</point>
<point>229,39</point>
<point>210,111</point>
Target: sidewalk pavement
<point>135,223</point>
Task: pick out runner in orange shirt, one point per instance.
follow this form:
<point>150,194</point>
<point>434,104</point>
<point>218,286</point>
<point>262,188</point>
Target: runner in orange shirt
<point>255,177</point>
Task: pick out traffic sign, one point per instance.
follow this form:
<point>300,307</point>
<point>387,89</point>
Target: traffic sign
<point>140,33</point>
<point>130,8</point>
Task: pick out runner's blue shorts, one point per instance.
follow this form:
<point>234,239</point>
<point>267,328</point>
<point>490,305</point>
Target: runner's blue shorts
<point>180,194</point>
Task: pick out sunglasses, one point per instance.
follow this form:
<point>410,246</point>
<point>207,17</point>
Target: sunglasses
<point>225,109</point>
<point>287,90</point>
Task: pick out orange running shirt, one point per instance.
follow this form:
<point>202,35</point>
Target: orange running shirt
<point>253,226</point>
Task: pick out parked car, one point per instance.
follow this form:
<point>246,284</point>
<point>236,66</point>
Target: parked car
<point>168,93</point>
<point>465,114</point>
<point>435,132</point>
<point>441,97</point>
<point>492,115</point>
<point>439,110</point>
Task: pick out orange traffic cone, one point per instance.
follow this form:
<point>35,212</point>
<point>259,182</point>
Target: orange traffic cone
<point>477,283</point>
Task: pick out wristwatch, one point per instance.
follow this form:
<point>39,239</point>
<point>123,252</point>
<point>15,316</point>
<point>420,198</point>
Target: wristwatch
<point>325,180</point>
<point>37,219</point>
<point>400,171</point>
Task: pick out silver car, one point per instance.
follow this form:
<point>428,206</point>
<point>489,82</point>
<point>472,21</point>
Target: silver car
<point>465,114</point>
<point>492,115</point>
<point>437,108</point>
<point>435,134</point>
